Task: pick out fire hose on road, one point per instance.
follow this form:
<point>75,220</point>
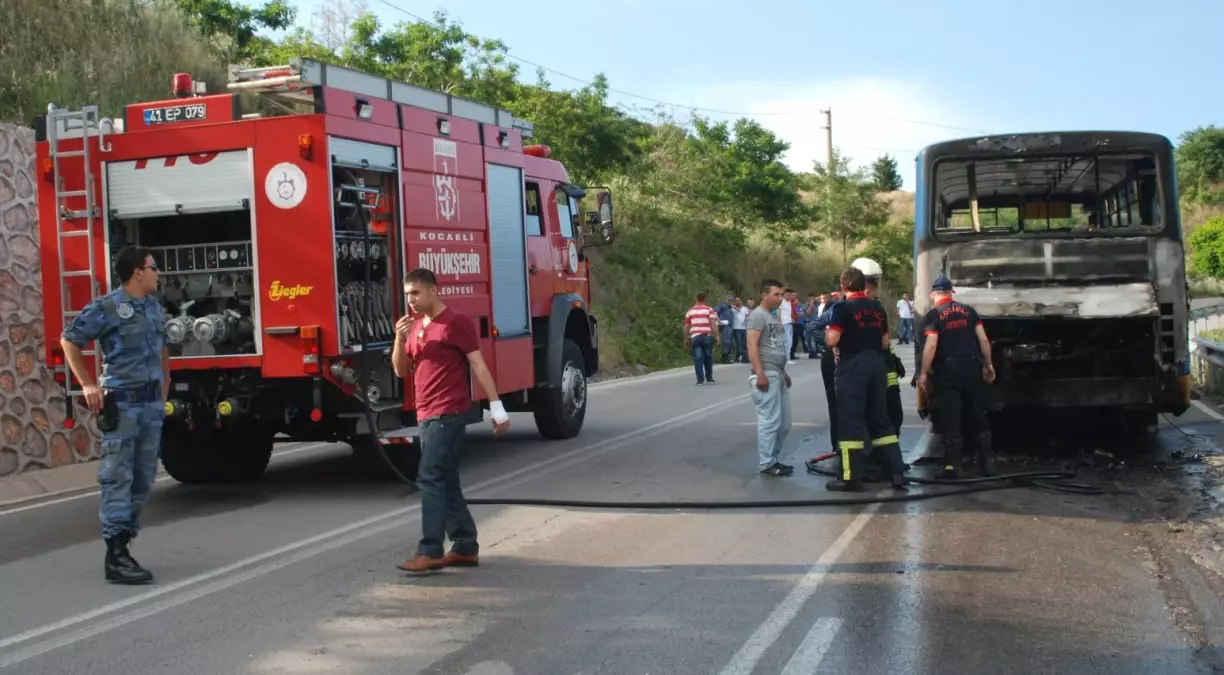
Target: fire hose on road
<point>1058,481</point>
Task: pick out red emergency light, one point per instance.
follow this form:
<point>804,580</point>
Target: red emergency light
<point>180,84</point>
<point>537,150</point>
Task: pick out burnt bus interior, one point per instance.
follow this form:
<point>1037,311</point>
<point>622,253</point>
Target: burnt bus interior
<point>1054,222</point>
<point>1088,194</point>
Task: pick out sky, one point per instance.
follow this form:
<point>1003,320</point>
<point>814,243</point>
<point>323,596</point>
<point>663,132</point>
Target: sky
<point>896,74</point>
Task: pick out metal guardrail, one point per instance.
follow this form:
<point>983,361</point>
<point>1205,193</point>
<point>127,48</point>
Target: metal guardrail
<point>1206,354</point>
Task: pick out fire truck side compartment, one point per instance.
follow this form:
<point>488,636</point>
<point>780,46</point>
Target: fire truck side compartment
<point>194,213</point>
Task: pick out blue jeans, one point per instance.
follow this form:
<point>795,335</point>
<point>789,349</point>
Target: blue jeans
<point>444,511</point>
<point>129,465</point>
<point>728,342</point>
<point>906,334</point>
<point>773,417</point>
<point>703,357</point>
<point>788,329</point>
<point>741,343</point>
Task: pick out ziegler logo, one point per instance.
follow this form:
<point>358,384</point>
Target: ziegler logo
<point>169,162</point>
<point>278,292</point>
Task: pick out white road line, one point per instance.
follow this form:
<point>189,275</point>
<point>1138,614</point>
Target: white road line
<point>160,479</point>
<point>1215,414</point>
<point>310,547</point>
<point>806,660</point>
<point>749,655</point>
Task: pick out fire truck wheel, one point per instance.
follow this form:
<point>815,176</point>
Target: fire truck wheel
<point>197,458</point>
<point>559,413</point>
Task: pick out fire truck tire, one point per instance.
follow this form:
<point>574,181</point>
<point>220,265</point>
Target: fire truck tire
<point>199,458</point>
<point>559,412</point>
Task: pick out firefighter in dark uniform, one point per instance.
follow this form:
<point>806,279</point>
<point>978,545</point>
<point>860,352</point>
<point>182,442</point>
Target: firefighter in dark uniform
<point>896,371</point>
<point>859,332</point>
<point>956,366</point>
<point>877,463</point>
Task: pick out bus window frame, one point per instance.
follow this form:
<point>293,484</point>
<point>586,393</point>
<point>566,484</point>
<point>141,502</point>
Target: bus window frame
<point>1164,193</point>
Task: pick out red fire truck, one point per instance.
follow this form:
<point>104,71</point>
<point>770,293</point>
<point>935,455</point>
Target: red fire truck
<point>283,235</point>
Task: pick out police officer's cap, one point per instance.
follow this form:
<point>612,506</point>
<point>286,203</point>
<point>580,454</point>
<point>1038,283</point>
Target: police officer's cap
<point>942,284</point>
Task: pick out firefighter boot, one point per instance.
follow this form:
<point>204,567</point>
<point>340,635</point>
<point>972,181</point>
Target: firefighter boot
<point>121,567</point>
<point>953,467</point>
<point>849,481</point>
<point>985,455</point>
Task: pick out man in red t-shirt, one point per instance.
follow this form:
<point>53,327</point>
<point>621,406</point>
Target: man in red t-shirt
<point>437,346</point>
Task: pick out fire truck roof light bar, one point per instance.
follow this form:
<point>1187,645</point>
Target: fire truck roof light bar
<point>302,74</point>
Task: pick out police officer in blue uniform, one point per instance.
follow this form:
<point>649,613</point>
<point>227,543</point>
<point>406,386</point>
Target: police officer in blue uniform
<point>956,364</point>
<point>859,332</point>
<point>128,327</point>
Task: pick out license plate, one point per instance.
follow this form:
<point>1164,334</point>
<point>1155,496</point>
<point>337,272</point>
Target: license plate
<point>193,112</point>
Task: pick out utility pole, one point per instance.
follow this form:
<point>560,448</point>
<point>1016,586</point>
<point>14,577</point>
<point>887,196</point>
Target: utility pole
<point>828,127</point>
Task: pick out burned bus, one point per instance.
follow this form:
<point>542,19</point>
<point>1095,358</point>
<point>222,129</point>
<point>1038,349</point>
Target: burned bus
<point>1069,246</point>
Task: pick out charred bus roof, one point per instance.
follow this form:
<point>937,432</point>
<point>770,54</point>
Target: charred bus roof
<point>1046,143</point>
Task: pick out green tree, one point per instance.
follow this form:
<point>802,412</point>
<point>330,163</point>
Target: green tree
<point>1207,244</point>
<point>848,205</point>
<point>234,26</point>
<point>885,175</point>
<point>1200,165</point>
<point>892,245</point>
<point>582,131</point>
<point>745,180</point>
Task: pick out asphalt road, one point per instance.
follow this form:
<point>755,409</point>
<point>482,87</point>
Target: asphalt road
<point>297,574</point>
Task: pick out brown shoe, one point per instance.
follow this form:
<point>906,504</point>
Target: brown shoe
<point>422,564</point>
<point>453,559</point>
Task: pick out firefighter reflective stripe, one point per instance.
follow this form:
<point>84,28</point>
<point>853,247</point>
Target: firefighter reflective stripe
<point>845,448</point>
<point>883,440</point>
<point>892,379</point>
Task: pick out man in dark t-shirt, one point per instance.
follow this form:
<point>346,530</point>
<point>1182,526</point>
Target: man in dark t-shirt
<point>858,331</point>
<point>957,356</point>
<point>437,346</point>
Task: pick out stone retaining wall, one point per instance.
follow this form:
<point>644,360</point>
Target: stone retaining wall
<point>32,433</point>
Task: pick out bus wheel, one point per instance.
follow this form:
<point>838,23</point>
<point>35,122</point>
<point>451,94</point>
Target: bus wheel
<point>1141,421</point>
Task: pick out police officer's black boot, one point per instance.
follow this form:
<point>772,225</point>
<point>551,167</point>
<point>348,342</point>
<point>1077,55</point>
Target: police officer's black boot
<point>985,455</point>
<point>121,567</point>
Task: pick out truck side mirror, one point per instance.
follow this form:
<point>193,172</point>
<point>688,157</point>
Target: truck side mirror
<point>602,231</point>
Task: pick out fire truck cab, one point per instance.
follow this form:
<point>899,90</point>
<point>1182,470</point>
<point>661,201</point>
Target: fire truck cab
<point>283,235</point>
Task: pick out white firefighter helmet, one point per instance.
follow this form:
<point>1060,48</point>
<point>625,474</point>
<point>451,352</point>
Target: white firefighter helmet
<point>868,267</point>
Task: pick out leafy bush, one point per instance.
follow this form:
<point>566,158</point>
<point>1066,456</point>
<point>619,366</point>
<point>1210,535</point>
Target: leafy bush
<point>104,52</point>
<point>1207,242</point>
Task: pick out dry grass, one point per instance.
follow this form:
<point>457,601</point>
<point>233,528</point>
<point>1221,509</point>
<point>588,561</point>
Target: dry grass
<point>104,52</point>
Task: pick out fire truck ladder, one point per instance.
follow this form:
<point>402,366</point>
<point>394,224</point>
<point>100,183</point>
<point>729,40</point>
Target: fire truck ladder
<point>63,123</point>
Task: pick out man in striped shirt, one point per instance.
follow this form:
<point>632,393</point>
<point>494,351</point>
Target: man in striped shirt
<point>700,337</point>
